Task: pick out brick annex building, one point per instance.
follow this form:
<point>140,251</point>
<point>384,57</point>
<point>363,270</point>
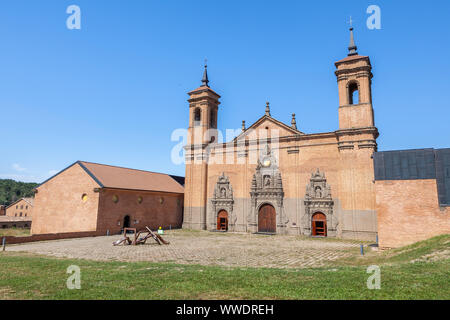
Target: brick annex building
<point>100,199</point>
<point>20,208</point>
<point>320,184</point>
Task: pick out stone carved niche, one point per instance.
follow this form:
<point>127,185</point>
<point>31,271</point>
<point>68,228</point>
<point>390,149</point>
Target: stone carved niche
<point>318,199</point>
<point>267,188</point>
<point>222,200</point>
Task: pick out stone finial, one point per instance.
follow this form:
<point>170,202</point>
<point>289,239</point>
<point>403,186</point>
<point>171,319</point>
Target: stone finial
<point>205,80</point>
<point>267,109</point>
<point>243,125</point>
<point>352,47</point>
<point>294,122</point>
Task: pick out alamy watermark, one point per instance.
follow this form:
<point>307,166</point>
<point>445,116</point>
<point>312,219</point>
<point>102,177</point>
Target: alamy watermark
<point>374,20</point>
<point>374,281</point>
<point>73,22</point>
<point>74,280</point>
<point>196,146</point>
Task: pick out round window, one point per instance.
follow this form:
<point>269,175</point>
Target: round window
<point>115,199</point>
<point>140,199</point>
<point>84,197</point>
<point>161,200</point>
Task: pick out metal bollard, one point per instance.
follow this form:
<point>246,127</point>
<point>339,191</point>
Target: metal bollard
<point>362,250</point>
<point>4,243</point>
<point>107,232</point>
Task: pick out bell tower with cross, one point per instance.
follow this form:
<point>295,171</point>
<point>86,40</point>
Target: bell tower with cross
<point>354,78</point>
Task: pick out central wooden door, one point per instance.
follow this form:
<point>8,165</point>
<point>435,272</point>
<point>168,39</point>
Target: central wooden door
<point>222,220</point>
<point>267,219</point>
<point>319,225</point>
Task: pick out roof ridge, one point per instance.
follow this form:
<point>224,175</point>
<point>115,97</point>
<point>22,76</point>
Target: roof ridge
<point>13,203</point>
<point>120,167</point>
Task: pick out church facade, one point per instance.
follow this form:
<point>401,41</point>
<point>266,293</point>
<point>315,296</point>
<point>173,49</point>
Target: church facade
<point>274,178</point>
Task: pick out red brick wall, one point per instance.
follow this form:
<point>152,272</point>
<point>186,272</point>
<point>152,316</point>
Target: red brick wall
<point>47,237</point>
<point>408,211</point>
<point>151,212</point>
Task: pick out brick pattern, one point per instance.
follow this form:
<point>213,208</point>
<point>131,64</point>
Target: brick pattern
<point>157,209</point>
<point>408,211</point>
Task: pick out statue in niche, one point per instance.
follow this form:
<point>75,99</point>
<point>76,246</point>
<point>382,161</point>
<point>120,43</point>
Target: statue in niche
<point>266,181</point>
<point>318,192</point>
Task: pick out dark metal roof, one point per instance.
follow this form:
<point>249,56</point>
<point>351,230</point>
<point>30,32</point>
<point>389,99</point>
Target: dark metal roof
<point>416,164</point>
<point>443,175</point>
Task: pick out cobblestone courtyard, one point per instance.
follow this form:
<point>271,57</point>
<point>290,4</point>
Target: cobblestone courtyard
<point>205,248</point>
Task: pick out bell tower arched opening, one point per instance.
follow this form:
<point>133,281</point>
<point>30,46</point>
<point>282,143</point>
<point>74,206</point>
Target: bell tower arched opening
<point>353,93</point>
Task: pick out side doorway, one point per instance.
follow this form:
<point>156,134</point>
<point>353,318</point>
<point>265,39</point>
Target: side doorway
<point>319,225</point>
<point>126,221</point>
<point>222,220</point>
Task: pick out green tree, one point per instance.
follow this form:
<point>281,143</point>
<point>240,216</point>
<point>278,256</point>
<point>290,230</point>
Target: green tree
<point>11,190</point>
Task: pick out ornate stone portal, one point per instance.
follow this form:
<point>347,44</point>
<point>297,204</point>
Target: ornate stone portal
<point>318,200</point>
<point>267,188</point>
<point>222,200</point>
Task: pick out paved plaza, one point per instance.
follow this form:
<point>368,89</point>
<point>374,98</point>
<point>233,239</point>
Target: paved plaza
<point>205,248</point>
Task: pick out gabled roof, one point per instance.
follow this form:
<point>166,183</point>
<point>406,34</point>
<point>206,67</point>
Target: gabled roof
<point>275,121</point>
<point>114,177</point>
<point>29,200</point>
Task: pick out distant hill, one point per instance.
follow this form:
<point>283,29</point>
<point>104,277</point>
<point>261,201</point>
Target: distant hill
<point>11,190</point>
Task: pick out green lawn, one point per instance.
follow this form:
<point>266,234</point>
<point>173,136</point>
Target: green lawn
<point>24,276</point>
<point>14,232</point>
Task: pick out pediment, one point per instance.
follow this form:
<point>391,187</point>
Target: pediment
<point>268,123</point>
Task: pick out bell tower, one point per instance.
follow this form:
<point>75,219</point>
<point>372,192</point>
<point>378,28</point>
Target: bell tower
<point>202,131</point>
<point>357,134</point>
<point>354,78</point>
<point>203,107</point>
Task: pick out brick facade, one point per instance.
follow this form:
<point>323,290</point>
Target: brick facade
<point>408,211</point>
<point>59,206</point>
<point>344,156</point>
<point>156,210</point>
<point>20,208</point>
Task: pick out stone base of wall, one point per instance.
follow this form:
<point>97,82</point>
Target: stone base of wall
<point>194,226</point>
<point>359,235</point>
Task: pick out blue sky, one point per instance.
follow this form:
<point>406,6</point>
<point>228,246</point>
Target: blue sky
<point>114,91</point>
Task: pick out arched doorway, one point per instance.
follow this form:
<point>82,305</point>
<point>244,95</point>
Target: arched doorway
<point>267,219</point>
<point>222,220</point>
<point>319,224</point>
<point>126,222</point>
